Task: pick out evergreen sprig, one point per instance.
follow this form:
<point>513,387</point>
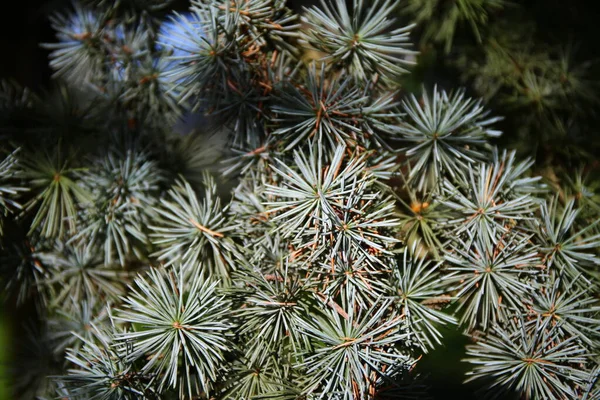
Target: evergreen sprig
<point>123,187</point>
<point>443,133</point>
<point>308,195</point>
<point>9,191</point>
<point>56,194</point>
<point>357,345</point>
<point>566,248</point>
<point>100,372</point>
<point>79,273</point>
<point>180,324</point>
<point>360,40</point>
<point>489,203</point>
<point>535,362</point>
<point>492,277</point>
<point>419,294</point>
<point>195,231</point>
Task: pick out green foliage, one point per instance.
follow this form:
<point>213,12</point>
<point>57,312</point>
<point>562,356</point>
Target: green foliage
<point>444,134</point>
<point>362,40</point>
<point>56,193</point>
<point>180,323</point>
<point>313,191</point>
<point>565,247</point>
<point>532,361</point>
<point>78,273</point>
<point>351,344</point>
<point>235,205</point>
<point>489,274</point>
<point>491,201</point>
<point>77,55</point>
<point>418,286</point>
<point>123,188</point>
<point>324,110</point>
<point>8,190</point>
<point>441,20</point>
<point>100,372</point>
<point>73,324</point>
<point>574,307</point>
<point>193,232</point>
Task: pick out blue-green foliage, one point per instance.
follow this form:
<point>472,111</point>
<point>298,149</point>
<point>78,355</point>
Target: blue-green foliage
<point>217,215</point>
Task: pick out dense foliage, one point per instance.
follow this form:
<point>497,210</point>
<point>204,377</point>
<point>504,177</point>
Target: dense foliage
<point>238,202</point>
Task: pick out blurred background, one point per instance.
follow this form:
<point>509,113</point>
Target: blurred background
<point>25,25</point>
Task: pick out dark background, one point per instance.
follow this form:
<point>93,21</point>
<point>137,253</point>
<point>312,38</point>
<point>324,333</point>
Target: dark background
<point>25,25</point>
